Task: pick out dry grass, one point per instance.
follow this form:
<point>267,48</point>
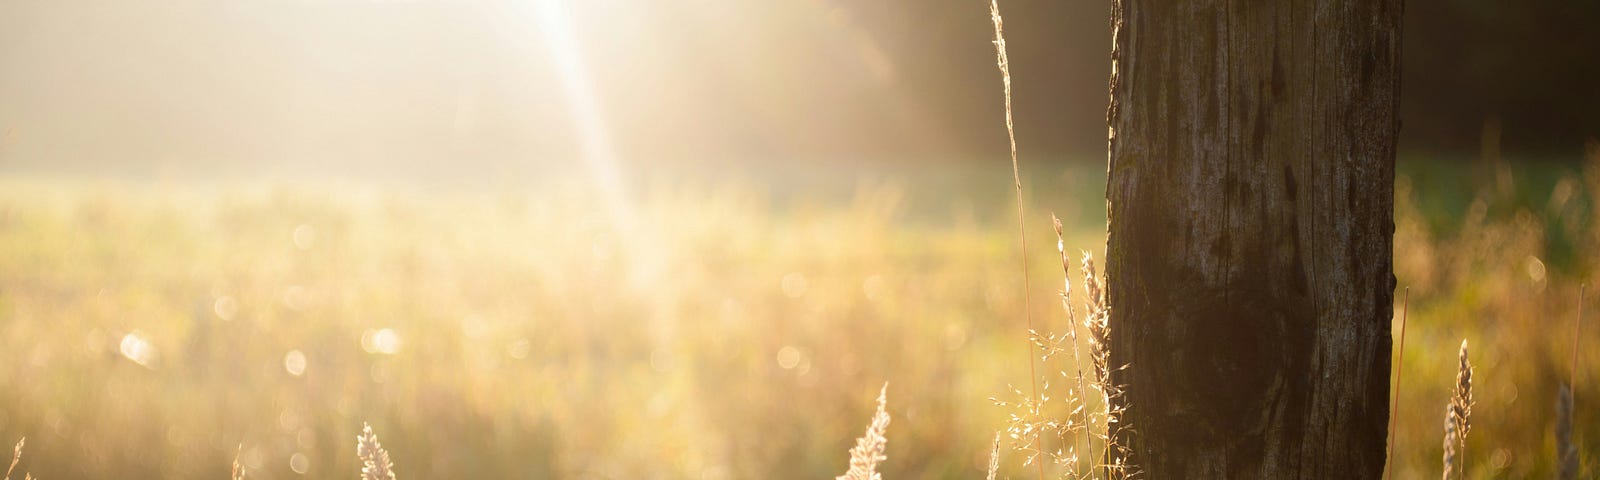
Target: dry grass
<point>1577,334</point>
<point>375,463</point>
<point>238,470</point>
<point>1566,451</point>
<point>1072,420</point>
<point>1030,424</point>
<point>1072,325</point>
<point>1399,365</point>
<point>522,356</point>
<point>1458,420</point>
<point>869,449</point>
<point>16,457</point>
<point>527,356</point>
<point>1567,465</point>
<point>1004,63</point>
<point>1037,421</point>
<point>1097,321</point>
<point>994,457</point>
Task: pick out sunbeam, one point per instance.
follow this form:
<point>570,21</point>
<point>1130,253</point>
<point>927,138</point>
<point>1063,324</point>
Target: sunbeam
<point>583,105</point>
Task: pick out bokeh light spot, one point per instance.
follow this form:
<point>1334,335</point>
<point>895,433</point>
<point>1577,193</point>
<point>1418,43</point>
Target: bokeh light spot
<point>225,307</point>
<point>299,463</point>
<point>519,349</point>
<point>295,363</point>
<point>788,357</point>
<point>1535,268</point>
<point>385,341</point>
<point>304,237</point>
<point>136,347</point>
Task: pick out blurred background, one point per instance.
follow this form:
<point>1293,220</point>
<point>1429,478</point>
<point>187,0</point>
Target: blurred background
<point>687,239</point>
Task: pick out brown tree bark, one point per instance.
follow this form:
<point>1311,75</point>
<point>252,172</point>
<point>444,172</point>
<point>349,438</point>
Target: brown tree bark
<point>1251,200</point>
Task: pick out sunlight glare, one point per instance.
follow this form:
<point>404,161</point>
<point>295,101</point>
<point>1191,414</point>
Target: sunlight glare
<point>594,140</point>
<point>383,341</point>
<point>583,105</point>
<point>137,348</point>
<point>295,363</point>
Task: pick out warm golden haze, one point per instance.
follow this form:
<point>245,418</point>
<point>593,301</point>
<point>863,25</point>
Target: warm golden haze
<point>496,333</point>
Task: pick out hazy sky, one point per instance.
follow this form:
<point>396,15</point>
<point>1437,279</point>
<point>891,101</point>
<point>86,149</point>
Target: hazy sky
<point>86,85</point>
<point>136,85</point>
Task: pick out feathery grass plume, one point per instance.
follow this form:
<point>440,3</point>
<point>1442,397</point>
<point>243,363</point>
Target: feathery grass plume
<point>238,470</point>
<point>16,456</point>
<point>1097,321</point>
<point>1004,63</point>
<point>1566,452</point>
<point>994,456</point>
<point>1067,415</point>
<point>1458,419</point>
<point>1028,424</point>
<point>375,464</point>
<point>1072,317</point>
<point>864,457</point>
<point>1400,356</point>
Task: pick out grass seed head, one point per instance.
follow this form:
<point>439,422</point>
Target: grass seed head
<point>869,449</point>
<point>375,464</point>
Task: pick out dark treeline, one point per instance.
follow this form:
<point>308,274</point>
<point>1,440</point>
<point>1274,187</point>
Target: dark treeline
<point>1532,68</point>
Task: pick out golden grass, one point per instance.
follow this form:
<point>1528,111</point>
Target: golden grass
<point>869,449</point>
<point>1566,451</point>
<point>238,470</point>
<point>1399,365</point>
<point>375,463</point>
<point>1458,420</point>
<point>522,336</point>
<point>1072,415</point>
<point>1072,327</point>
<point>526,348</point>
<point>1003,62</point>
<point>16,457</point>
<point>994,458</point>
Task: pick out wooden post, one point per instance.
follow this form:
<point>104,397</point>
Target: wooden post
<point>1251,200</point>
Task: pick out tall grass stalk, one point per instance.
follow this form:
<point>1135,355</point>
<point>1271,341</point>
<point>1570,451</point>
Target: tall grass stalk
<point>1566,451</point>
<point>1399,363</point>
<point>1072,323</point>
<point>1022,229</point>
<point>1458,420</point>
<point>1577,332</point>
<point>994,457</point>
<point>1566,398</point>
<point>16,456</point>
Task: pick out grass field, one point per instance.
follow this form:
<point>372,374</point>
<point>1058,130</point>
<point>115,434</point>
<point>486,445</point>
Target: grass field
<point>737,326</point>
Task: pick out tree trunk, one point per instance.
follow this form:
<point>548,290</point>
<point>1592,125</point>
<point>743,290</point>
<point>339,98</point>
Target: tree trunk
<point>1251,200</point>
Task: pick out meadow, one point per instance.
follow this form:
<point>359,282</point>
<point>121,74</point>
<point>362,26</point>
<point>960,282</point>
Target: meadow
<point>732,325</point>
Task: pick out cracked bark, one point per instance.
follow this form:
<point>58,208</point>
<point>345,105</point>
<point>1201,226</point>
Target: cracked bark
<point>1250,199</point>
